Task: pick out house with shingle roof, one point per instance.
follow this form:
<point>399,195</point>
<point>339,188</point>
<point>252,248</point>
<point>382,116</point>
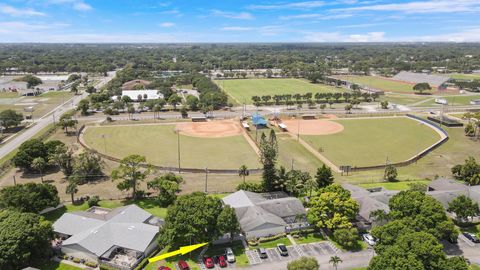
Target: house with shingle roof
<point>260,215</point>
<point>119,237</point>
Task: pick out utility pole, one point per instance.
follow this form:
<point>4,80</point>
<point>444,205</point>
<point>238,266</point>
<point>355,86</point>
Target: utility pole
<point>206,179</point>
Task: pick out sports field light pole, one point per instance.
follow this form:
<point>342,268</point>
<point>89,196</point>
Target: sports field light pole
<point>178,148</point>
<point>206,179</point>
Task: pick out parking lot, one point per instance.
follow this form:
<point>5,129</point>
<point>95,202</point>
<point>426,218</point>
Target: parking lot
<point>313,249</point>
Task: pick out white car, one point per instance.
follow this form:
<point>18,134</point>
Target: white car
<point>230,255</point>
<point>369,239</point>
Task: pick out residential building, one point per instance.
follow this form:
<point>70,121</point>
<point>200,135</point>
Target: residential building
<point>118,238</point>
<point>262,215</point>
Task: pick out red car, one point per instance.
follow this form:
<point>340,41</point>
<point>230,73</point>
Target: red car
<point>164,268</point>
<point>183,265</point>
<point>208,262</point>
<point>222,261</point>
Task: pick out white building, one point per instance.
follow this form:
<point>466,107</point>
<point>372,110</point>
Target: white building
<point>145,94</point>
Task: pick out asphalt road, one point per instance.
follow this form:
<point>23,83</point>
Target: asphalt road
<point>47,119</point>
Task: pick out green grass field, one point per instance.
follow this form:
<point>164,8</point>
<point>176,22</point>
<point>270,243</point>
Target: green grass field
<point>379,83</point>
<point>366,142</point>
<point>462,76</point>
<point>242,90</point>
<point>452,101</point>
<point>42,104</point>
<point>272,244</point>
<point>51,265</point>
<point>158,143</point>
<point>402,185</point>
<point>9,95</point>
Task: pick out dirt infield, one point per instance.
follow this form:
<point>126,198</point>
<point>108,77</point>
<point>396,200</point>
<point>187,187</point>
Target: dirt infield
<point>213,129</point>
<point>313,127</point>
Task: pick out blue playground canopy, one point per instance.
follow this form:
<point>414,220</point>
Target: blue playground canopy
<point>258,120</point>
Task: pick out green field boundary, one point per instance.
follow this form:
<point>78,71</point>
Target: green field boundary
<point>226,92</point>
<point>82,142</point>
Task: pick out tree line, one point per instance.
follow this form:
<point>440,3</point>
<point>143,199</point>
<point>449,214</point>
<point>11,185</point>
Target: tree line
<point>354,97</point>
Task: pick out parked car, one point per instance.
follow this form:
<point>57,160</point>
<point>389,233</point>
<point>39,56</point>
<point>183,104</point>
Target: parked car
<point>282,249</point>
<point>230,255</point>
<point>262,253</point>
<point>183,265</point>
<point>208,262</point>
<point>369,239</point>
<point>222,261</point>
<point>164,268</point>
<point>472,237</point>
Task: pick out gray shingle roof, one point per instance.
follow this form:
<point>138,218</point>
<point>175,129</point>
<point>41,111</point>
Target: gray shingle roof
<point>254,211</point>
<point>123,227</point>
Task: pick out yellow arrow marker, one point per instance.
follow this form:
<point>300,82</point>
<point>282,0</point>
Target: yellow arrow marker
<point>182,250</point>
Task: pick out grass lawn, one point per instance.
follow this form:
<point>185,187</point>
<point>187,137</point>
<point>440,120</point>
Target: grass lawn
<point>272,244</point>
<point>309,238</point>
<point>42,104</point>
<point>242,90</point>
<point>403,99</point>
<point>147,204</point>
<point>379,83</point>
<point>159,144</point>
<point>51,265</point>
<point>401,185</point>
<point>8,95</point>
<point>452,101</point>
<point>366,142</point>
<point>462,76</point>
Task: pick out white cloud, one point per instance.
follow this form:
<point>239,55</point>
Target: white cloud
<point>432,6</point>
<point>236,28</point>
<point>167,24</point>
<point>317,16</point>
<point>339,37</point>
<point>297,5</point>
<point>17,12</point>
<point>233,15</point>
<point>79,5</point>
<point>468,35</point>
<point>16,27</point>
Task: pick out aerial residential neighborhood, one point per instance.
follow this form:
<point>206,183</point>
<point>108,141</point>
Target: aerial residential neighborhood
<point>256,135</point>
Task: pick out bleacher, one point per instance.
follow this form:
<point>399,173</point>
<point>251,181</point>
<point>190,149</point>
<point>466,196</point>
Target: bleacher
<point>434,80</point>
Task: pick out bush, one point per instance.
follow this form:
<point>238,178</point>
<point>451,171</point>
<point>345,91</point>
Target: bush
<point>76,260</point>
<point>347,238</point>
<point>65,257</point>
<point>252,187</point>
<point>91,264</point>
<point>93,201</point>
<point>271,238</point>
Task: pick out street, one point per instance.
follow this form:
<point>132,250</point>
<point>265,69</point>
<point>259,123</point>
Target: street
<point>47,119</point>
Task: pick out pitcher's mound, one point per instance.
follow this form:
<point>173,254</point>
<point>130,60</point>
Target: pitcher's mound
<point>213,129</point>
<point>313,127</point>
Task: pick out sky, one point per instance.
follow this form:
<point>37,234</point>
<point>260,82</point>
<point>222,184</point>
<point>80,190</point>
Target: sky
<point>133,21</point>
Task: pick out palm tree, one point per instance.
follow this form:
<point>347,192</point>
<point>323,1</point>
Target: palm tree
<point>335,260</point>
<point>39,164</point>
<point>243,171</point>
<point>72,189</point>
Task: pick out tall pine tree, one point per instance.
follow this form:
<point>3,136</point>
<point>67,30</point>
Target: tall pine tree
<point>268,157</point>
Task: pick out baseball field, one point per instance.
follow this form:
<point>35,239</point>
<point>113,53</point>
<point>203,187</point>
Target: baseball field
<point>242,90</point>
<point>213,145</point>
<point>368,141</point>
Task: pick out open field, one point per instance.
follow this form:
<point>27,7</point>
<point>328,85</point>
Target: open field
<point>452,101</point>
<point>403,99</point>
<point>394,185</point>
<point>462,76</point>
<point>42,104</point>
<point>158,143</point>
<point>242,90</point>
<point>366,142</point>
<point>379,83</point>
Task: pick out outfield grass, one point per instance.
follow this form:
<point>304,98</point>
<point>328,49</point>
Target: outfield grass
<point>379,83</point>
<point>403,99</point>
<point>242,90</point>
<point>452,101</point>
<point>8,95</point>
<point>366,142</point>
<point>158,143</point>
<point>401,185</point>
<point>462,76</point>
<point>44,103</point>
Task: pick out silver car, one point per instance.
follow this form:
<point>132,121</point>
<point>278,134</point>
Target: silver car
<point>369,239</point>
<point>230,255</point>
